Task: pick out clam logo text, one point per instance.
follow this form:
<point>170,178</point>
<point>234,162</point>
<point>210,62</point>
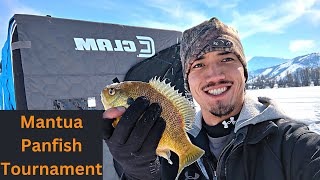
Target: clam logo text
<point>90,44</point>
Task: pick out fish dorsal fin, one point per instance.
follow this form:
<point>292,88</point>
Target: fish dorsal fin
<point>185,107</point>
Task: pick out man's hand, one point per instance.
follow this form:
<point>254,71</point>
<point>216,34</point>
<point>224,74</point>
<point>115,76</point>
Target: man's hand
<point>134,141</point>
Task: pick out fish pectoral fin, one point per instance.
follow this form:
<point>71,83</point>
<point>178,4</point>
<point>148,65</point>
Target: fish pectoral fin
<point>165,153</point>
<point>116,121</point>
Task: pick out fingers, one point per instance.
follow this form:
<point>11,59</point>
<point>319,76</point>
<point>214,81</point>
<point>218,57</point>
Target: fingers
<point>129,119</point>
<point>114,112</point>
<point>155,135</point>
<point>143,126</point>
<point>151,142</point>
<point>108,117</point>
<point>107,128</point>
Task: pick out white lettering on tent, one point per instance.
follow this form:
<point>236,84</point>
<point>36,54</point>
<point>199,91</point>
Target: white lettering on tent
<point>148,41</point>
<point>131,47</point>
<point>118,45</point>
<point>90,44</point>
<point>104,44</point>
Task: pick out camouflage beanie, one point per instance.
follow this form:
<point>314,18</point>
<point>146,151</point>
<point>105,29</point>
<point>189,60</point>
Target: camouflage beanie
<point>209,36</point>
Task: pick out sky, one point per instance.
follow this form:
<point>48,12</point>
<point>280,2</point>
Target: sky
<point>274,28</point>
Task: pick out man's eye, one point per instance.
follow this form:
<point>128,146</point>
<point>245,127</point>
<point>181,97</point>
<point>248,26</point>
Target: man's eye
<point>198,65</point>
<point>227,59</point>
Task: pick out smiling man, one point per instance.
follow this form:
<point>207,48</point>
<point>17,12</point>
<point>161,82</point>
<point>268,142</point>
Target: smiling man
<point>244,138</point>
<point>216,81</point>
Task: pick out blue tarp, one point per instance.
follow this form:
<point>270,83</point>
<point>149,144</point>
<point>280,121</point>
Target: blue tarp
<point>1,89</point>
<point>7,94</point>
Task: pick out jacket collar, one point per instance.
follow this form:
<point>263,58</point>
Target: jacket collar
<point>253,134</point>
<point>197,124</point>
<point>260,131</point>
<point>254,111</point>
<point>258,109</point>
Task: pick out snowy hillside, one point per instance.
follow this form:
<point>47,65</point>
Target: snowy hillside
<point>281,70</point>
<point>259,62</point>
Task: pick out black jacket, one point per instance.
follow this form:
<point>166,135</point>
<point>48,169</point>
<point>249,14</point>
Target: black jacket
<point>271,150</point>
<point>265,145</point>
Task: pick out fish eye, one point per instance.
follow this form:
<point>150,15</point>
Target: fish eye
<point>112,91</point>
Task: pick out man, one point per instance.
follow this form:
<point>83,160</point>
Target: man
<point>244,138</point>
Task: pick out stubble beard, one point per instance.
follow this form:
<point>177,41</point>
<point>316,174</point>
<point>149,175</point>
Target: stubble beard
<point>221,109</point>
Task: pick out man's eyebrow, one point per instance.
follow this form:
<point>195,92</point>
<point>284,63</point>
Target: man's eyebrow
<point>199,58</point>
<point>220,54</point>
<point>224,53</point>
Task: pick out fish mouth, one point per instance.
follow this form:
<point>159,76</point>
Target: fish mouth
<point>105,104</point>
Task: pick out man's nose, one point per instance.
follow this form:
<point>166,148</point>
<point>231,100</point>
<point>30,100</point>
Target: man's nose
<point>215,73</point>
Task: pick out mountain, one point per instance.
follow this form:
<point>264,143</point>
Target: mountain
<point>279,71</point>
<point>259,62</point>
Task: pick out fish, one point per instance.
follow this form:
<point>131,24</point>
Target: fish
<point>177,111</point>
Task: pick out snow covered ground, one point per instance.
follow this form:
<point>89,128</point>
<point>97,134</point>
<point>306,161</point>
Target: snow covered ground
<point>302,103</point>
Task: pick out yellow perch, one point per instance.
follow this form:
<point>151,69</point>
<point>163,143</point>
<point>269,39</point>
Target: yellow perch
<point>177,111</point>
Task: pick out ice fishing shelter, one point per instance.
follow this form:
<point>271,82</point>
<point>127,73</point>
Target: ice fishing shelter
<point>53,63</point>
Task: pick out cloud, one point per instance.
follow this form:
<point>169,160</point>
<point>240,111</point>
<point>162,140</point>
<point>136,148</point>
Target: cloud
<point>180,26</point>
<point>221,4</point>
<point>301,45</point>
<point>159,25</point>
<point>12,7</point>
<point>314,16</point>
<point>271,19</point>
<point>16,7</point>
<point>9,8</point>
<point>175,15</point>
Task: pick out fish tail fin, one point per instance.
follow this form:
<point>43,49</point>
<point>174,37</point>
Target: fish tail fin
<point>189,157</point>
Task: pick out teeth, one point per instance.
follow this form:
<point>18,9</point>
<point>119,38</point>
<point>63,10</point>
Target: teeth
<point>217,91</point>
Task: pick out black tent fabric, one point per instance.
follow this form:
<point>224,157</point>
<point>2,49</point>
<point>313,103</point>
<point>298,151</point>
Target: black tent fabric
<point>166,64</point>
<point>64,64</point>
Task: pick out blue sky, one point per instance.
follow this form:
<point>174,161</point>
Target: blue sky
<point>274,28</point>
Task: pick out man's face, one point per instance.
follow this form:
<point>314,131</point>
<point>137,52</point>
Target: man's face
<point>217,82</point>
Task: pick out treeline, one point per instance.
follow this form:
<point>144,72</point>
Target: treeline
<point>301,77</point>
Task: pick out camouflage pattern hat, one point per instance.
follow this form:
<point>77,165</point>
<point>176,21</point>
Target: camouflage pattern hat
<point>209,36</point>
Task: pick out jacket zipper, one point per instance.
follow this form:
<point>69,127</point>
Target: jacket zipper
<point>212,169</point>
<point>208,167</point>
<point>220,156</point>
<point>215,177</point>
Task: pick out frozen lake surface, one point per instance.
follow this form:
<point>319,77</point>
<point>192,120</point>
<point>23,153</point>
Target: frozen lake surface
<point>302,103</point>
